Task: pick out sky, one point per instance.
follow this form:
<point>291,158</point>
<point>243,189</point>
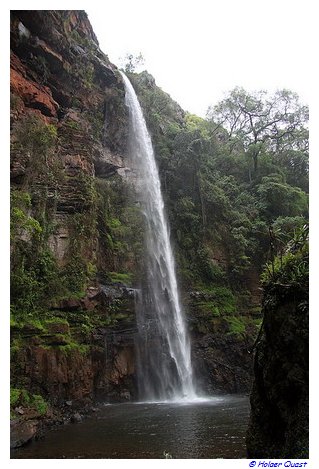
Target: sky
<point>197,51</point>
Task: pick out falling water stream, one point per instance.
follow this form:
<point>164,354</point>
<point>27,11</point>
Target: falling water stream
<point>163,346</point>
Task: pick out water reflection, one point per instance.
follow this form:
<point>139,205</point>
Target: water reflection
<point>210,429</point>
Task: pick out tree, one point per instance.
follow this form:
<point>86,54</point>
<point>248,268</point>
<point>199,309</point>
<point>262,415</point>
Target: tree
<point>277,198</point>
<point>131,62</point>
<point>261,123</point>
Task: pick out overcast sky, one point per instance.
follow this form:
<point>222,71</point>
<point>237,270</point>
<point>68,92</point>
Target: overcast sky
<point>198,50</point>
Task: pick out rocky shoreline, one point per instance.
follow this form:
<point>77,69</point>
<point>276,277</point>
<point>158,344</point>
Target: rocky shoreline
<point>31,427</point>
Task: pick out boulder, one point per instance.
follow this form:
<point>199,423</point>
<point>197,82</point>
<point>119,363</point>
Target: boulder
<point>22,432</point>
<point>76,418</point>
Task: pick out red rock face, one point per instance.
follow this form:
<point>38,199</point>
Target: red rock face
<point>65,375</point>
<point>123,365</point>
<point>78,20</point>
<point>32,94</point>
<point>76,375</point>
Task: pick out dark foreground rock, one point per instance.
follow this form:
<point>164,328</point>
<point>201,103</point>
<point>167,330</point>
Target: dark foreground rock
<point>22,432</point>
<point>222,363</point>
<point>278,425</point>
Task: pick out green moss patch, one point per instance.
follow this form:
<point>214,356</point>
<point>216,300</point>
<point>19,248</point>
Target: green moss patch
<point>236,325</point>
<point>21,397</point>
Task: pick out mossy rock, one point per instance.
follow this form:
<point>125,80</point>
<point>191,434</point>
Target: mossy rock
<point>57,326</point>
<point>23,398</point>
<point>57,339</point>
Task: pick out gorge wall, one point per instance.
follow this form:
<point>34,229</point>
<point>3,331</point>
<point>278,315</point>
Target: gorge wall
<point>68,138</point>
<point>279,421</point>
<point>76,253</point>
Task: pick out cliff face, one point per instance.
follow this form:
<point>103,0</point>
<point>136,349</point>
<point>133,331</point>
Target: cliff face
<point>68,134</point>
<point>278,425</point>
<point>67,98</point>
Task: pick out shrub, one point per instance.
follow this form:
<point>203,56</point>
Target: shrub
<point>21,223</point>
<point>22,397</point>
<point>120,277</point>
<point>39,404</point>
<point>236,325</point>
<point>34,136</point>
<point>291,267</point>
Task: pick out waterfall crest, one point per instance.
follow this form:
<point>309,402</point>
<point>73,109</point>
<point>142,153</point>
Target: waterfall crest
<point>163,346</point>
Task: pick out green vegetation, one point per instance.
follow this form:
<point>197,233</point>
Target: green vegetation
<point>41,66</point>
<point>216,300</point>
<point>35,280</point>
<point>87,75</point>
<point>131,62</point>
<point>261,123</point>
<point>236,190</point>
<point>208,308</point>
<point>38,281</point>
<point>87,43</point>
<point>291,267</point>
<point>39,403</point>
<point>82,70</point>
<point>34,143</point>
<point>21,397</point>
<point>21,223</point>
<point>74,346</point>
<point>33,135</point>
<point>236,325</point>
<point>120,230</point>
<point>229,181</point>
<point>71,124</point>
<point>120,277</point>
<point>15,101</point>
<point>56,320</point>
<point>37,140</point>
<point>17,395</point>
<point>96,120</point>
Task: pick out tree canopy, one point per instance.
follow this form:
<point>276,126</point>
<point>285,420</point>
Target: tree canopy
<point>261,122</point>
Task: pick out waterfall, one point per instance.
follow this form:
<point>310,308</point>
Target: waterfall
<point>163,346</point>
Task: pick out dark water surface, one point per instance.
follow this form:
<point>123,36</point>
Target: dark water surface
<point>211,429</point>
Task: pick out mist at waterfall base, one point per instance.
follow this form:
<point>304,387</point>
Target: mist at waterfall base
<point>164,369</point>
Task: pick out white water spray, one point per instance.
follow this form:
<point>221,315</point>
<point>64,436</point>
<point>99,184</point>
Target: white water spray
<point>163,348</point>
